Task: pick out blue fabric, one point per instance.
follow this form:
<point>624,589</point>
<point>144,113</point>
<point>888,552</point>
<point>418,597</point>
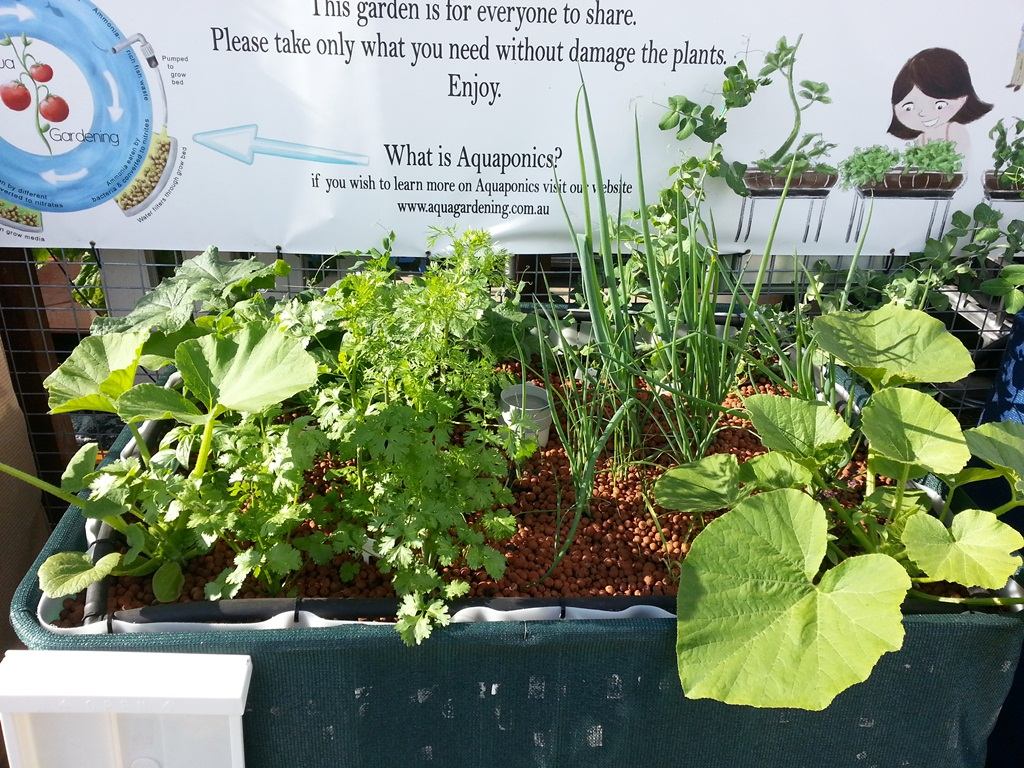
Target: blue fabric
<point>1006,745</point>
<point>1007,400</point>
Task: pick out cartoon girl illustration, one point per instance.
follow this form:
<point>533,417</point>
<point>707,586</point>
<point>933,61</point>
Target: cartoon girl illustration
<point>933,99</point>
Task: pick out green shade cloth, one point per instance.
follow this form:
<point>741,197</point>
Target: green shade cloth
<point>573,693</point>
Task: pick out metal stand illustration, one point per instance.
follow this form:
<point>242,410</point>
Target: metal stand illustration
<point>937,188</point>
<point>811,195</point>
<point>996,192</point>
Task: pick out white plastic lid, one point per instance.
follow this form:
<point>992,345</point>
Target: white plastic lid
<point>130,683</point>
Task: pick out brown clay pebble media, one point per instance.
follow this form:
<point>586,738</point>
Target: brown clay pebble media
<point>618,550</point>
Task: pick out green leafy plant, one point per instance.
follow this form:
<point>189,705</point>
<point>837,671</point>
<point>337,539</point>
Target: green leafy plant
<point>394,380</point>
<point>934,157</point>
<point>692,301</point>
<point>806,153</point>
<point>218,287</point>
<point>1008,153</point>
<point>868,166</point>
<point>972,255</point>
<point>408,401</point>
<point>814,556</point>
<point>87,286</point>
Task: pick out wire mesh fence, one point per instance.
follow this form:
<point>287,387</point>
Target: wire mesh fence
<point>49,299</point>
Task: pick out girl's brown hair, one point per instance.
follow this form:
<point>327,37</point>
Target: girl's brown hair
<point>941,74</point>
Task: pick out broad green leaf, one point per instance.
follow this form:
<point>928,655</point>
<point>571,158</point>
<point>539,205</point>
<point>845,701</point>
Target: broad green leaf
<point>802,428</point>
<point>1013,274</point>
<point>316,546</point>
<point>160,347</point>
<point>283,558</point>
<point>149,401</point>
<point>894,345</point>
<point>772,471</point>
<point>167,582</point>
<point>166,308</point>
<point>68,573</point>
<point>908,429</point>
<point>100,370</point>
<point>703,486</point>
<point>171,304</point>
<point>976,551</point>
<point>252,370</point>
<point>223,283</point>
<point>83,463</point>
<point>758,627</point>
<point>1000,444</point>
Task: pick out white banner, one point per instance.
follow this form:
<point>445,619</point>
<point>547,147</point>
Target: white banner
<point>319,125</point>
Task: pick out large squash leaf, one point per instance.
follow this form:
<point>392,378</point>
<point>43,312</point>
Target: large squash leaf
<point>217,284</point>
<point>256,368</point>
<point>68,573</point>
<point>757,627</point>
<point>149,401</point>
<point>1001,444</point>
<point>773,470</point>
<point>96,374</point>
<point>908,431</point>
<point>975,551</point>
<point>801,428</point>
<point>221,284</point>
<point>894,345</point>
<point>82,464</point>
<point>166,309</point>
<point>702,486</point>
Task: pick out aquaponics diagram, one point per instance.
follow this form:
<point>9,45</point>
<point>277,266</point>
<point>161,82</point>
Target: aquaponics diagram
<point>60,151</point>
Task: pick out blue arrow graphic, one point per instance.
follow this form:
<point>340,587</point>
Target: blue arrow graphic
<point>242,143</point>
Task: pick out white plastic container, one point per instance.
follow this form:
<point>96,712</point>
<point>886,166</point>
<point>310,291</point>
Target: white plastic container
<point>91,709</point>
<point>524,407</point>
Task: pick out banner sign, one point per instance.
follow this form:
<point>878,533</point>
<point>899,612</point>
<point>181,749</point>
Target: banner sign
<point>321,125</point>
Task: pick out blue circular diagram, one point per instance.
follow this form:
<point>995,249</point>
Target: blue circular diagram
<point>93,172</point>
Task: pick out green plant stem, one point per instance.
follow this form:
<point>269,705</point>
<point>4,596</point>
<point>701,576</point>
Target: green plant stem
<point>206,443</point>
<point>22,58</point>
<point>798,117</point>
<point>856,256</point>
<point>762,269</point>
<point>981,601</point>
<point>901,486</point>
<point>42,485</point>
<point>653,271</point>
<point>140,444</point>
<point>854,529</point>
<point>71,499</point>
<point>1011,504</point>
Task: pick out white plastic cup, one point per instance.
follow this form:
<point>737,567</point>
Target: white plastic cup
<point>525,410</point>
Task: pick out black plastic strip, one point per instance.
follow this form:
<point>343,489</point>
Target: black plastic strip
<point>95,608</point>
<point>249,611</point>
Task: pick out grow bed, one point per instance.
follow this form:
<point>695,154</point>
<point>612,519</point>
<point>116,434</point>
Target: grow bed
<point>996,189</point>
<point>924,184</point>
<point>802,185</point>
<point>20,218</point>
<point>564,693</point>
<point>618,567</point>
<point>152,178</point>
